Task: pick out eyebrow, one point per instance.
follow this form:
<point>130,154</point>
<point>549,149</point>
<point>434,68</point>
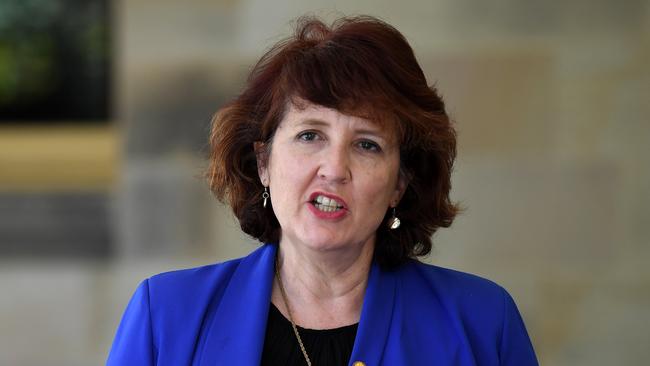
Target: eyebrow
<point>364,131</point>
<point>313,122</point>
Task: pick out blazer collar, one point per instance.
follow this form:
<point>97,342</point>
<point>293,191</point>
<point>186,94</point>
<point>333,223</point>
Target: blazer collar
<point>237,329</point>
<point>376,317</point>
<point>236,332</point>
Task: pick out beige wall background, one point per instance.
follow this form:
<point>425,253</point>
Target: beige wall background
<point>551,100</point>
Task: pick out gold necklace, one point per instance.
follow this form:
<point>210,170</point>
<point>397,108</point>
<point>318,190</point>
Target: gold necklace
<point>286,304</point>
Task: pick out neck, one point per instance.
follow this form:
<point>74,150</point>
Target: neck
<point>324,289</point>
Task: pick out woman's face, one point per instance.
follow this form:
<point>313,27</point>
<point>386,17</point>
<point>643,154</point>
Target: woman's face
<point>331,177</point>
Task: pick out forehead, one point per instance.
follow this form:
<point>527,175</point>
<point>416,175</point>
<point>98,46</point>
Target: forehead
<point>305,113</point>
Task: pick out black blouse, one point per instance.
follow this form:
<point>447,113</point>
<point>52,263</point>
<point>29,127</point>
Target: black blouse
<point>324,347</point>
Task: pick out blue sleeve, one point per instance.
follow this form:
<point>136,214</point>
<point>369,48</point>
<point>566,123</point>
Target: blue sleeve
<point>133,343</point>
<point>515,348</point>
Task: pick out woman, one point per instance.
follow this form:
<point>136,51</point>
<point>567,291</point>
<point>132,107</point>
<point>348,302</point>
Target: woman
<point>338,155</point>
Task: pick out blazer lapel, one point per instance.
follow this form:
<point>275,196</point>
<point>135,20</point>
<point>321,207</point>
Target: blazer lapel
<point>376,317</point>
<point>237,329</point>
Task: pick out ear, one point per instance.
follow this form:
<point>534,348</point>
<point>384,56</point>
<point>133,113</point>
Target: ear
<point>402,183</point>
<point>262,157</point>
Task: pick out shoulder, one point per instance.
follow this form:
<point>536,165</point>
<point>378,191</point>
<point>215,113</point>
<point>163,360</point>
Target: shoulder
<point>472,300</point>
<point>455,285</point>
<point>193,291</point>
<point>192,281</point>
<point>195,286</point>
<point>479,310</point>
<point>169,311</point>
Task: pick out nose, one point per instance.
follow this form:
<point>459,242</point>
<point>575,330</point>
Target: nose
<point>335,165</point>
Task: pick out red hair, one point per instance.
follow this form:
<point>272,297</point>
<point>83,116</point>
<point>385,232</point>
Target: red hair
<point>359,66</point>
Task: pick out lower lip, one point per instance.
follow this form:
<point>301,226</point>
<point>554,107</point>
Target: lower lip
<point>333,215</point>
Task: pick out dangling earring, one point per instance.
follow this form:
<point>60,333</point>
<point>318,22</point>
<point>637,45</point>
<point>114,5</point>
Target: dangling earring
<point>266,196</point>
<point>393,222</point>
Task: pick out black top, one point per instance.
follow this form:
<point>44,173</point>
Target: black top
<point>324,347</point>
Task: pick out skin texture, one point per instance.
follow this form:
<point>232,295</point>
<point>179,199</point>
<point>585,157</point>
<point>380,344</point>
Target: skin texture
<point>324,261</point>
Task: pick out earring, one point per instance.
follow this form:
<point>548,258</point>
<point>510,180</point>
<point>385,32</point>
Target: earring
<point>265,196</point>
<point>394,222</point>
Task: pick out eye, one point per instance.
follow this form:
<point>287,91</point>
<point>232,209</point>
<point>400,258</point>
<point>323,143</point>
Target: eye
<point>369,146</point>
<point>307,136</point>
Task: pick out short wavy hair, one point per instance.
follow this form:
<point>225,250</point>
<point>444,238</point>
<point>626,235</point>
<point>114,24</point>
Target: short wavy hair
<point>360,66</point>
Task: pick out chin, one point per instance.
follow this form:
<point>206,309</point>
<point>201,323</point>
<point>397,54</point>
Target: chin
<point>326,243</point>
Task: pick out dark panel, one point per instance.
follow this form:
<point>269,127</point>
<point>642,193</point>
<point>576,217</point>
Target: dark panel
<point>54,61</point>
<point>54,225</point>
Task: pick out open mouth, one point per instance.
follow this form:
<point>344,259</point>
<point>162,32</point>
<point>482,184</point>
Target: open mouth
<point>326,204</point>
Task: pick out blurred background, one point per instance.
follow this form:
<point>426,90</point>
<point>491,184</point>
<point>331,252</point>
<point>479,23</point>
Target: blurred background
<point>104,116</point>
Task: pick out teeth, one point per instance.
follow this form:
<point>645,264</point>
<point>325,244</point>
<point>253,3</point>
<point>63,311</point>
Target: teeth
<point>326,208</point>
<point>327,204</point>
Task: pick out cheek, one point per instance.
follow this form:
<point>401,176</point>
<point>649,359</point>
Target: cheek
<point>288,165</point>
<point>289,170</point>
<point>380,182</point>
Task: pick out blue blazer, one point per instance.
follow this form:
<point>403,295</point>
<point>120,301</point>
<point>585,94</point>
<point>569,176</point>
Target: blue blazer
<point>417,314</point>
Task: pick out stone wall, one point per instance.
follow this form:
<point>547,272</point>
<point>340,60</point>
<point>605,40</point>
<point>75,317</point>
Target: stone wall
<point>551,103</point>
